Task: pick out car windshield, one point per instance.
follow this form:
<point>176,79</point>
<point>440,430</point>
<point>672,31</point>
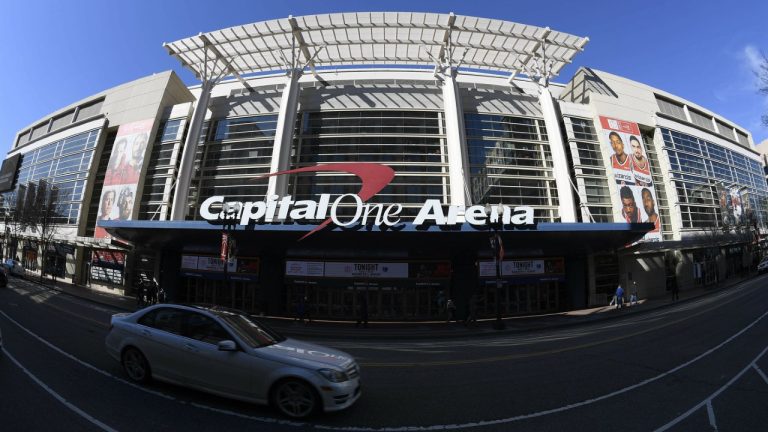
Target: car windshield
<point>252,332</point>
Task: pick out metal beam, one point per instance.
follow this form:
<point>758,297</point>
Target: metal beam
<point>227,64</point>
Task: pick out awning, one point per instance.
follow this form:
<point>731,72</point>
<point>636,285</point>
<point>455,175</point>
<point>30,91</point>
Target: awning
<point>543,238</point>
<point>380,38</point>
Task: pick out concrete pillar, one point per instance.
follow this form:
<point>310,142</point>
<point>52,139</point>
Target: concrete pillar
<point>286,123</point>
<point>458,164</point>
<point>183,179</point>
<point>562,175</point>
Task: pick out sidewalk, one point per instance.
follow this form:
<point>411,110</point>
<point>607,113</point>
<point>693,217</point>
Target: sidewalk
<point>323,329</point>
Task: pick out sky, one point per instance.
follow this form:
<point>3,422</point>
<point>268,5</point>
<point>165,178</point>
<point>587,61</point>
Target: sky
<point>54,53</point>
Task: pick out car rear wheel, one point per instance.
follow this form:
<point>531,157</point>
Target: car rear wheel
<point>296,399</point>
<point>136,365</point>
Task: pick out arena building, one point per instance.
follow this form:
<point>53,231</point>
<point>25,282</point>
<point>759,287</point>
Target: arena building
<point>395,160</point>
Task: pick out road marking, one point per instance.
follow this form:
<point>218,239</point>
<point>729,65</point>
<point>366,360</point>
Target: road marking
<point>146,390</point>
<point>711,415</point>
<point>708,401</point>
<point>538,353</point>
<point>761,373</point>
<point>57,396</point>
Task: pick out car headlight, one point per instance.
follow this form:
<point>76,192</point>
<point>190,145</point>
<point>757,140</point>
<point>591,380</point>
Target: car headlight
<point>333,375</point>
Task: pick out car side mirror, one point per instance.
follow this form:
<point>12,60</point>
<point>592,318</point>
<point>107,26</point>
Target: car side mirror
<point>227,345</point>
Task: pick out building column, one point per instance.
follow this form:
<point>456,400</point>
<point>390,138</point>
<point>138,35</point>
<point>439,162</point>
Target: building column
<point>562,175</point>
<point>286,124</point>
<point>455,135</point>
<point>184,177</point>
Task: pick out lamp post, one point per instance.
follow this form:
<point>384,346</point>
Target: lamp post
<point>495,221</point>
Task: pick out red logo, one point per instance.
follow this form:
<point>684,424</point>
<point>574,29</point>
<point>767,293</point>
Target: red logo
<point>374,178</point>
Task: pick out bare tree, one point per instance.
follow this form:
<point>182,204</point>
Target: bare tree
<point>43,218</point>
<point>762,76</point>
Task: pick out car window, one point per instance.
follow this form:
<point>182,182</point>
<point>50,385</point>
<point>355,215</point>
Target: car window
<point>165,319</point>
<point>250,331</point>
<point>205,329</point>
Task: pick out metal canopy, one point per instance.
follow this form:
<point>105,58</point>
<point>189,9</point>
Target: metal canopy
<point>380,38</point>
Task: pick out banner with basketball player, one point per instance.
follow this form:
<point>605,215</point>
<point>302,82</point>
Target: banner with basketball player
<point>632,173</point>
<point>126,161</point>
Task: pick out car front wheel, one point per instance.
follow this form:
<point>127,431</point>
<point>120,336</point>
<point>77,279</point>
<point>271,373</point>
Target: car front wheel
<point>135,365</point>
<point>295,398</point>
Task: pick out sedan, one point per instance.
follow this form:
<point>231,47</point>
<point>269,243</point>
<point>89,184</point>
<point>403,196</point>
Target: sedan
<point>229,353</point>
<point>763,266</point>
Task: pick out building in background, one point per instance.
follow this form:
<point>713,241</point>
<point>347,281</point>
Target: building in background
<point>626,183</point>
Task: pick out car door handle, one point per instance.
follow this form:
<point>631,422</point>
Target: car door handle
<point>190,347</point>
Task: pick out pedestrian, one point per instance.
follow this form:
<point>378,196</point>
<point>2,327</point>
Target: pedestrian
<point>451,308</point>
<point>633,296</point>
<point>675,291</point>
<point>619,297</point>
<point>440,302</point>
<point>301,309</point>
<point>362,311</point>
<point>471,310</point>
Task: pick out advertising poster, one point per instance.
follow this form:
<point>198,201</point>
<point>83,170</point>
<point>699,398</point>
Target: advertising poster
<point>632,173</point>
<point>118,195</point>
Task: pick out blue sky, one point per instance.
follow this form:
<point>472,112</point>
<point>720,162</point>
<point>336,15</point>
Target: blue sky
<point>55,52</point>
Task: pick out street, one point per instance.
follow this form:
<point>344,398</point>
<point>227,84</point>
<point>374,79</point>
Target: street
<point>693,366</point>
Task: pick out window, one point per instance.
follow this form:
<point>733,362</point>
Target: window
<point>205,329</point>
<point>164,319</point>
<point>671,108</point>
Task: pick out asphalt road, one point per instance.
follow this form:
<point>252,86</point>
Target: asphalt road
<point>694,366</point>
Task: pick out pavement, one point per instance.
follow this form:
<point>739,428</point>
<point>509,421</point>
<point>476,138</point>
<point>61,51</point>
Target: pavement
<point>325,329</point>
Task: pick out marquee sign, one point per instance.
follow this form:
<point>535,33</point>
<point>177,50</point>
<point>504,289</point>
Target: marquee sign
<point>374,178</point>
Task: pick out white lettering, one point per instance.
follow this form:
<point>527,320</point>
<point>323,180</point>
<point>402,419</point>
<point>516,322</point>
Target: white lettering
<point>523,216</point>
<point>249,214</point>
<point>285,205</point>
<point>475,215</point>
<point>322,208</point>
<point>431,210</point>
<point>205,208</point>
<point>392,210</point>
<point>271,207</point>
<point>335,207</point>
<point>303,210</point>
<point>368,209</point>
<point>453,214</point>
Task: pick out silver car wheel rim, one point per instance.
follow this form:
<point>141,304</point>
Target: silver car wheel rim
<point>134,365</point>
<point>295,399</point>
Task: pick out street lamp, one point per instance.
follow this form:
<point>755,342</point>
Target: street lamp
<point>495,221</point>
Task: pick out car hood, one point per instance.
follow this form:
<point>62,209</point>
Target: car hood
<point>308,354</point>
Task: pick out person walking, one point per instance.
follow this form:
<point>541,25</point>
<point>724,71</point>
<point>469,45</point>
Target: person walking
<point>633,296</point>
<point>362,311</point>
<point>471,310</point>
<point>619,297</point>
<point>450,306</point>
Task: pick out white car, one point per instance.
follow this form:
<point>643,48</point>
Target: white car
<point>229,353</point>
<point>763,266</point>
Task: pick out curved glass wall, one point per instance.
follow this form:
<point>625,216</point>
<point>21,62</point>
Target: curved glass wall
<point>510,163</point>
<point>64,164</point>
<point>701,170</point>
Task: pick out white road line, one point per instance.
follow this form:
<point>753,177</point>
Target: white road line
<point>57,396</point>
<point>711,415</point>
<point>761,373</point>
<point>80,362</point>
<point>708,401</point>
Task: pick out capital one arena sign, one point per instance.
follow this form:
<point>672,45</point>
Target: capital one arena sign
<point>374,178</point>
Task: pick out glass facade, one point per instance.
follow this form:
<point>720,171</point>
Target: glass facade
<point>161,173</point>
<point>411,142</point>
<point>64,164</point>
<point>699,167</point>
<point>230,155</point>
<point>510,163</point>
<point>589,168</point>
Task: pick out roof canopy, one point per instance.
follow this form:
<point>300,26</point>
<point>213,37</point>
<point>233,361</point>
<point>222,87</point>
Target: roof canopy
<point>380,38</point>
